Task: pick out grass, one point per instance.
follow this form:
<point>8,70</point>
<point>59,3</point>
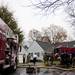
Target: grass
<point>56,62</point>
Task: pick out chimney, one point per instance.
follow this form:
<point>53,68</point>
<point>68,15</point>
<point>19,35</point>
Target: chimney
<point>45,39</point>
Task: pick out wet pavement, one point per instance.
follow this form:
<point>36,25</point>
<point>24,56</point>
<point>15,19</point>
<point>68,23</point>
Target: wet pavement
<point>22,71</point>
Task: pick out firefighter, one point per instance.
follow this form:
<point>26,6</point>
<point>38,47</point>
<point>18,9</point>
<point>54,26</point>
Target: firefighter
<point>24,59</point>
<point>34,58</point>
<point>52,58</point>
<point>28,58</point>
<point>73,61</point>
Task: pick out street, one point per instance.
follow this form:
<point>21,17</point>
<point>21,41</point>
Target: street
<point>22,71</point>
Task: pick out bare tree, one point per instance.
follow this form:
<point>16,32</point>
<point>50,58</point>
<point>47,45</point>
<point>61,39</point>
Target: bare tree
<point>55,33</point>
<point>71,14</point>
<point>59,37</point>
<point>71,18</point>
<point>51,5</point>
<point>34,34</point>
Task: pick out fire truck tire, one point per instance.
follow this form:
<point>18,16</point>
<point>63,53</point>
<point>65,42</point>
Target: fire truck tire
<point>1,68</point>
<point>14,67</point>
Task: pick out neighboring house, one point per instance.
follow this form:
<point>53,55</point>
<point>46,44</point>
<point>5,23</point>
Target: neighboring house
<point>20,54</point>
<point>65,46</point>
<point>70,44</point>
<point>35,48</point>
<point>39,48</point>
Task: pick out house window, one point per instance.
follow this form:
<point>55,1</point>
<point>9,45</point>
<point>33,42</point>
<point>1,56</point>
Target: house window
<point>73,45</point>
<point>38,54</point>
<point>31,54</point>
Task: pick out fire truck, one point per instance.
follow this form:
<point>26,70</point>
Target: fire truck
<point>8,47</point>
<point>68,50</point>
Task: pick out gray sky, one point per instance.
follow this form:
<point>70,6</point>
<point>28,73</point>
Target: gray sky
<point>29,18</point>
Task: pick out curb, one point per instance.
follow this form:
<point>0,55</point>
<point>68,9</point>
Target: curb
<point>50,67</point>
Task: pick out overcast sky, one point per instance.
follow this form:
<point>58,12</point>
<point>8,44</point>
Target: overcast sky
<point>29,18</point>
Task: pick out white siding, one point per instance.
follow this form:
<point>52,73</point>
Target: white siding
<point>35,48</point>
<point>20,55</point>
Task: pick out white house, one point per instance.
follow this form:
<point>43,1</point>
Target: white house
<point>20,55</point>
<point>36,49</point>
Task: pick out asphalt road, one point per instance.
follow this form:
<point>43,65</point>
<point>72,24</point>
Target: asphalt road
<point>22,71</point>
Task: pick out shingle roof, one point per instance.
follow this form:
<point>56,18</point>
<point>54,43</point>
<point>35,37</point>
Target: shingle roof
<point>65,44</point>
<point>47,47</point>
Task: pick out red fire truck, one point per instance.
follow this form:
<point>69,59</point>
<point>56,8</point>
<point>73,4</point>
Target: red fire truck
<point>8,47</point>
<point>68,50</point>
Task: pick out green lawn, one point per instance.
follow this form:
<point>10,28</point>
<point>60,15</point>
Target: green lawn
<point>56,62</point>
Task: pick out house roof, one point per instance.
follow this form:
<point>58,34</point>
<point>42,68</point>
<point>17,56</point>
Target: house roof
<point>47,47</point>
<point>35,47</point>
<point>65,44</point>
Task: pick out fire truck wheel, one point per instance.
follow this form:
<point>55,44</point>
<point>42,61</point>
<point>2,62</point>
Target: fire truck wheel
<point>14,67</point>
<point>1,68</point>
